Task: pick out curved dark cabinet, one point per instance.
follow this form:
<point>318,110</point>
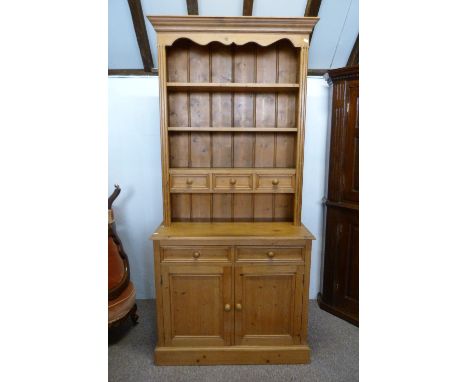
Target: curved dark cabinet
<point>340,285</point>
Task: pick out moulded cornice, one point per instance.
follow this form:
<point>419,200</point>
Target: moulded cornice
<point>234,30</point>
<point>347,72</point>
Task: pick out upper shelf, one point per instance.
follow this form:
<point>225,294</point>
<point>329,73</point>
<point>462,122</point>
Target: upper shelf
<point>231,86</point>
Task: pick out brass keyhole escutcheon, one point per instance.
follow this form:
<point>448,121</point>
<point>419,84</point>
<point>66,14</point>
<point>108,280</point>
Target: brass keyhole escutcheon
<point>227,308</point>
<point>196,255</point>
<point>238,307</point>
<point>275,182</point>
<point>270,254</point>
<point>189,181</point>
<point>232,181</point>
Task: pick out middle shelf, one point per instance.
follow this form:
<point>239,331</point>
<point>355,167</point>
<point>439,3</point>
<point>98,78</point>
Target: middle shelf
<point>232,86</point>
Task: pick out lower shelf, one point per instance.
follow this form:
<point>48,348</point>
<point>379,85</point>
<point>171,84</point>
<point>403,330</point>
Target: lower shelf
<point>232,355</point>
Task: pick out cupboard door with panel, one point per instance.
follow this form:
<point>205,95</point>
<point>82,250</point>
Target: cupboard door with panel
<point>268,304</point>
<point>347,277</point>
<point>198,304</point>
<point>341,263</point>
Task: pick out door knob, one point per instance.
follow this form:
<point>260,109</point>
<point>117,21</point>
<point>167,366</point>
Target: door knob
<point>196,255</point>
<point>232,181</point>
<point>189,181</point>
<point>271,254</point>
<point>238,307</point>
<point>275,182</point>
<point>227,308</point>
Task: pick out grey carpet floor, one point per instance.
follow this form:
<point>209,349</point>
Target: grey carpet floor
<point>334,343</point>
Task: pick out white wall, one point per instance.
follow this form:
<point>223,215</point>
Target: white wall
<point>134,163</point>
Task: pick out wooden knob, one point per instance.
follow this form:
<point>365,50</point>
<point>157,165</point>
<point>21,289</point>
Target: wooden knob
<point>275,182</point>
<point>189,181</point>
<point>196,255</point>
<point>271,254</point>
<point>232,181</point>
<point>227,308</point>
<point>238,307</point>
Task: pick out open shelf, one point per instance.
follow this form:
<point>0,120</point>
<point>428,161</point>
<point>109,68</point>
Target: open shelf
<point>238,129</point>
<point>231,87</point>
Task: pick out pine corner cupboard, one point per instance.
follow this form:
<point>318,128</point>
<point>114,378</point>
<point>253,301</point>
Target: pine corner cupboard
<point>232,258</point>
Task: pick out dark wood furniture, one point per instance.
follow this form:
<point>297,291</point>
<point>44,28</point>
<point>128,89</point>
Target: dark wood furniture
<point>340,286</point>
<point>232,258</point>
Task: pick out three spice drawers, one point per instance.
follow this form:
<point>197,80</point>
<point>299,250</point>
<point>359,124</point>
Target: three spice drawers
<point>232,180</point>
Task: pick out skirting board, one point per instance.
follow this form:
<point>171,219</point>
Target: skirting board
<point>232,355</point>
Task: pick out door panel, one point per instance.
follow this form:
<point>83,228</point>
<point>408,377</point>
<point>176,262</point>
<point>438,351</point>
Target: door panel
<point>351,159</point>
<point>268,304</point>
<point>341,275</point>
<point>195,298</point>
<point>348,264</point>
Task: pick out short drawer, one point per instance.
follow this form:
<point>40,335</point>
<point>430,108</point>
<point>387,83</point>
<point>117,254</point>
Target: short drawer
<point>270,254</point>
<point>186,182</point>
<point>238,182</point>
<point>275,183</point>
<point>196,254</point>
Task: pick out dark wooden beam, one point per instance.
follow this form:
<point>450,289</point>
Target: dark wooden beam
<point>141,35</point>
<point>353,59</point>
<point>154,72</point>
<point>312,8</point>
<point>248,7</point>
<point>131,72</point>
<point>192,7</point>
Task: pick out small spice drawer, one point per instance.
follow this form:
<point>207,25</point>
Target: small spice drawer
<point>189,183</point>
<point>232,183</point>
<point>195,254</point>
<point>269,254</point>
<point>275,183</point>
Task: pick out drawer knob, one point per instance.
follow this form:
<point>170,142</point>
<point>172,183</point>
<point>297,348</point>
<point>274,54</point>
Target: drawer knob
<point>227,308</point>
<point>275,182</point>
<point>196,255</point>
<point>238,307</point>
<point>189,181</point>
<point>271,254</point>
<point>232,181</point>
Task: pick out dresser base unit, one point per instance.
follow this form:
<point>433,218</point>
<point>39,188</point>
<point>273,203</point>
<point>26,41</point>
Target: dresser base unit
<point>232,293</point>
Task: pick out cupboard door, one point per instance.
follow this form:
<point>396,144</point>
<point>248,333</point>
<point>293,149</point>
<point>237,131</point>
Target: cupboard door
<point>341,262</point>
<point>268,304</point>
<point>346,280</point>
<point>197,303</point>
